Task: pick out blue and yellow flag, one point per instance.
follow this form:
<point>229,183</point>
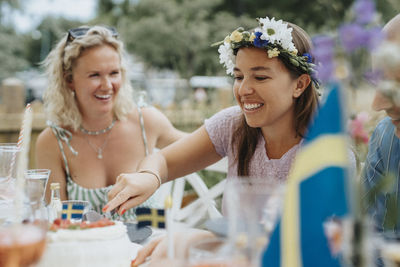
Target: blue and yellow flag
<point>150,217</point>
<point>316,191</point>
<point>72,211</point>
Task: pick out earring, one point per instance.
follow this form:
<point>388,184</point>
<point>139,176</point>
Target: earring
<point>73,93</point>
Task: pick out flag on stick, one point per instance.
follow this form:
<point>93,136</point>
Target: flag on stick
<point>316,191</point>
<point>150,217</point>
<point>72,211</point>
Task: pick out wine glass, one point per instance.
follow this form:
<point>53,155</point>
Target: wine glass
<point>253,205</point>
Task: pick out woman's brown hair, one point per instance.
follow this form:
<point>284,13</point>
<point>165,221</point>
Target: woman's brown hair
<point>245,138</point>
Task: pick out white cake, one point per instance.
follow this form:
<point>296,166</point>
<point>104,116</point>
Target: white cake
<point>103,246</point>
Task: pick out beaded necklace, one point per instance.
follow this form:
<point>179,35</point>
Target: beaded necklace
<point>83,130</point>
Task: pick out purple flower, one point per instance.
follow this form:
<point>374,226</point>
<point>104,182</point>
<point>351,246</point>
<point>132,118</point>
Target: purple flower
<point>374,37</point>
<point>352,36</point>
<point>258,42</point>
<point>323,53</point>
<point>323,48</point>
<point>364,11</point>
<point>373,76</point>
<point>324,73</point>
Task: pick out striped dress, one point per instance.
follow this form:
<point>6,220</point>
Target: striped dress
<point>97,197</point>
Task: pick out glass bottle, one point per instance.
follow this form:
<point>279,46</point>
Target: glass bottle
<point>55,206</point>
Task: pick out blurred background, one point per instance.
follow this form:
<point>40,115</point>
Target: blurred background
<point>168,42</point>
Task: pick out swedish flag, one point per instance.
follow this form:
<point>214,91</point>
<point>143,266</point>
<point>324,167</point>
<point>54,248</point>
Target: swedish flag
<point>316,191</point>
<point>72,211</point>
<point>150,217</point>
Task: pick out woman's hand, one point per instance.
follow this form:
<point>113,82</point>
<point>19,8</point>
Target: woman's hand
<point>130,190</point>
<point>156,250</point>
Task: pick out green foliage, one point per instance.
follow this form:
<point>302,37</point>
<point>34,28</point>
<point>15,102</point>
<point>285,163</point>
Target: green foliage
<point>177,35</point>
<point>11,53</point>
<point>50,31</point>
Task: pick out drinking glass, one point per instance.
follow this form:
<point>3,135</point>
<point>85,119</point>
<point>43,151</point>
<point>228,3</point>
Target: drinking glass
<point>35,188</point>
<point>21,244</point>
<point>253,205</point>
<point>9,153</point>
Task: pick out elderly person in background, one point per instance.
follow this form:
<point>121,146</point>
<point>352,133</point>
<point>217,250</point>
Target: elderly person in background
<point>97,131</point>
<point>383,159</point>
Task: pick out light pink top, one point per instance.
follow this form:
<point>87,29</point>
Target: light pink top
<point>220,128</point>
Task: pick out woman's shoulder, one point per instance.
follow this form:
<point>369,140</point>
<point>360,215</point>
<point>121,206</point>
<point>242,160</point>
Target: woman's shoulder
<point>148,113</point>
<point>46,140</point>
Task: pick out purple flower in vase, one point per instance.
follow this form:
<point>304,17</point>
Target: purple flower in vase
<point>364,11</point>
<point>352,36</point>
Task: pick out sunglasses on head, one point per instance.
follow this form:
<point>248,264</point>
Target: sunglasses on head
<point>81,31</point>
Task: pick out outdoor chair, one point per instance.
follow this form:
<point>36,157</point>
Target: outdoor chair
<point>204,206</point>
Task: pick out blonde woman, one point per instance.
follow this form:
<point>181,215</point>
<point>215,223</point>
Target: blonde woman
<point>96,131</point>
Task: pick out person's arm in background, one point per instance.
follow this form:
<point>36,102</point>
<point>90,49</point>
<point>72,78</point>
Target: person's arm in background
<point>183,239</point>
<point>48,156</point>
<point>156,122</point>
<point>189,154</point>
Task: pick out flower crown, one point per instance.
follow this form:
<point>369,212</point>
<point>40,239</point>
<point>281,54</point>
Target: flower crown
<point>274,36</point>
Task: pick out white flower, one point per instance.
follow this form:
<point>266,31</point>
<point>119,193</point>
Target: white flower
<point>227,57</point>
<point>276,32</point>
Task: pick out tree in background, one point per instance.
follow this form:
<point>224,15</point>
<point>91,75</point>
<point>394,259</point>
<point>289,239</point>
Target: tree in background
<point>39,42</point>
<point>11,45</point>
<point>176,34</point>
<point>173,34</point>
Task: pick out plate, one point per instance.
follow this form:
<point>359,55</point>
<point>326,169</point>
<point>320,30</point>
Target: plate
<point>218,226</point>
<point>138,235</point>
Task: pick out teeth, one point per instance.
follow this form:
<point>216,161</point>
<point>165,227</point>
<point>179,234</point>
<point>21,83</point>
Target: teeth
<point>252,106</point>
<point>103,96</point>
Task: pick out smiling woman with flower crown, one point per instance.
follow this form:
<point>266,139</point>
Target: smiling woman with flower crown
<point>96,130</point>
<point>276,98</point>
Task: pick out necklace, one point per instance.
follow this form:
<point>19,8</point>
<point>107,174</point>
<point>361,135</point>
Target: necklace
<point>83,130</point>
<point>98,150</point>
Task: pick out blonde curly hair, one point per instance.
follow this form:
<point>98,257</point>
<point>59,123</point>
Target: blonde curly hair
<point>60,105</point>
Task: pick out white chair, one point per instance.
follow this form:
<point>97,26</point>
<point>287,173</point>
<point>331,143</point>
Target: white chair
<point>204,206</point>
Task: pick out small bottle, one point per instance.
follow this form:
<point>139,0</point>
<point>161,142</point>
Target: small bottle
<point>55,206</point>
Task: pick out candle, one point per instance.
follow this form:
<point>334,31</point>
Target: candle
<point>22,163</point>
